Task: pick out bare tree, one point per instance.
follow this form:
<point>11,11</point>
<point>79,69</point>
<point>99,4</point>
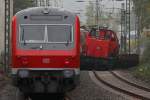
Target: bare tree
<point>90,13</point>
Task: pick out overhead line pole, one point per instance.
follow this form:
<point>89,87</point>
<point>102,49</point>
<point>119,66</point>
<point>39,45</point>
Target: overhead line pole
<point>139,25</point>
<point>129,26</point>
<point>97,15</point>
<point>7,37</point>
<point>123,29</point>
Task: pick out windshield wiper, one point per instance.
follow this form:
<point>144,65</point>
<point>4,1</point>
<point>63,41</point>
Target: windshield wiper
<point>24,41</point>
<point>37,47</point>
<point>67,43</point>
<point>70,36</point>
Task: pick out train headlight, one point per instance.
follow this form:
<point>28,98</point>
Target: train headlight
<point>23,73</point>
<point>67,62</point>
<point>68,73</point>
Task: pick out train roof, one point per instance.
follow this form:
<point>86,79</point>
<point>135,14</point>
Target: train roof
<point>46,10</point>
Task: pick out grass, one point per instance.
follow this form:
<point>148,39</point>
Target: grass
<point>143,70</point>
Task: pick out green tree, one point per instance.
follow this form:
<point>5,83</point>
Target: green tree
<point>22,4</point>
<point>142,10</point>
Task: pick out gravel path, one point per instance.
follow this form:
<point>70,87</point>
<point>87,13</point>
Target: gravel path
<point>7,91</point>
<point>88,90</point>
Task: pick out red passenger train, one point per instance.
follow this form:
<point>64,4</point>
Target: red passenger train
<point>45,50</point>
<point>102,46</point>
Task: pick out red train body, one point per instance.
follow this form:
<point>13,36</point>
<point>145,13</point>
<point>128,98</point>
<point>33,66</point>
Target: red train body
<point>101,45</point>
<point>45,50</point>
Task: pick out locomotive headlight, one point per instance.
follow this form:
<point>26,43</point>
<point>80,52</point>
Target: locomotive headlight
<point>68,73</point>
<point>67,62</point>
<point>23,73</point>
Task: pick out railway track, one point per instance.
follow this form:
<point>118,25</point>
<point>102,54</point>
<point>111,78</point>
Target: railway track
<point>115,81</point>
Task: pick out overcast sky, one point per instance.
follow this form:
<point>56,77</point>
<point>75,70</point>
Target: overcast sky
<point>74,6</point>
<point>77,7</point>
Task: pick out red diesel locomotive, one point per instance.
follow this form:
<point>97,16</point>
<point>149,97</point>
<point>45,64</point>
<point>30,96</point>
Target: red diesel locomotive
<point>45,50</point>
<point>101,46</point>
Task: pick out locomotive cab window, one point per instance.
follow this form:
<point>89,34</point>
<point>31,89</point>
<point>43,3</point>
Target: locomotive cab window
<point>108,35</point>
<point>93,32</point>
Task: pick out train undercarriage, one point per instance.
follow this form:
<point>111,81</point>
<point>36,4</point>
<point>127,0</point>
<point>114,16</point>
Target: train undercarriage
<point>48,82</point>
<point>120,61</point>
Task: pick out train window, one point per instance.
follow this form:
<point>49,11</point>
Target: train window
<point>107,35</point>
<point>59,33</point>
<point>93,32</point>
<point>32,33</point>
<point>46,34</point>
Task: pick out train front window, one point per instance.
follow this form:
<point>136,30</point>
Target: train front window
<point>59,34</point>
<point>46,33</point>
<point>32,33</point>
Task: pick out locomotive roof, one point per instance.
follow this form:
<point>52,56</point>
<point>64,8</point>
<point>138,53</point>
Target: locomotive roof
<point>51,11</point>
